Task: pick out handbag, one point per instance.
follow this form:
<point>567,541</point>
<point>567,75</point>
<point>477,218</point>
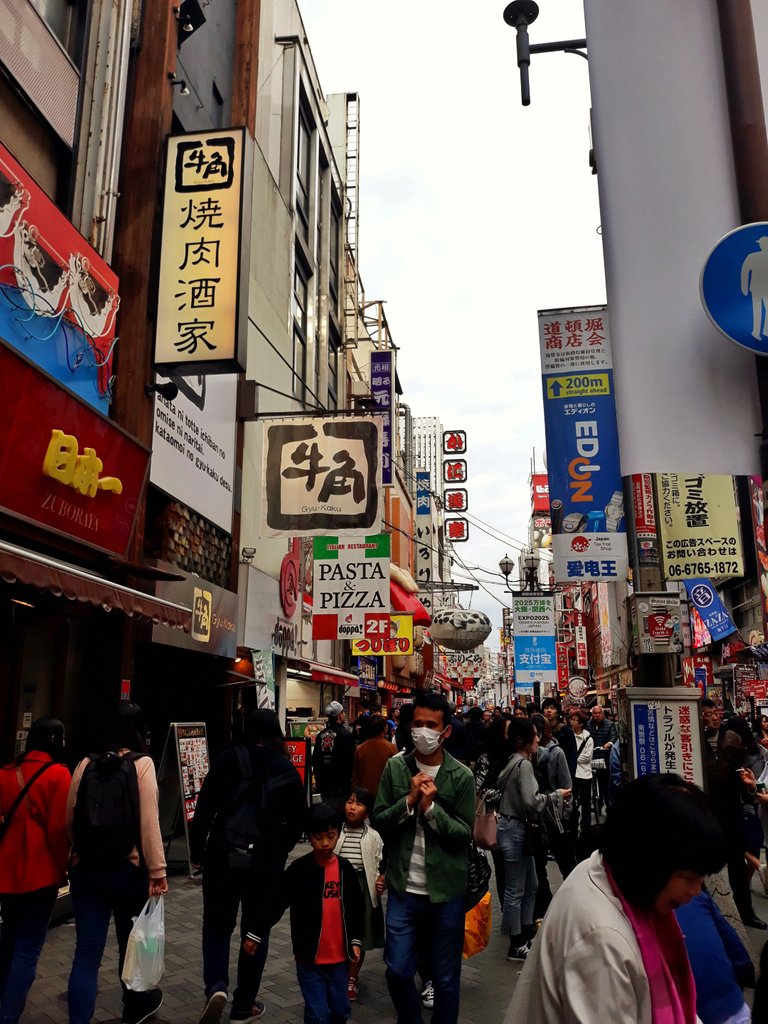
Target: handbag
<point>5,819</point>
<point>478,876</point>
<point>485,830</point>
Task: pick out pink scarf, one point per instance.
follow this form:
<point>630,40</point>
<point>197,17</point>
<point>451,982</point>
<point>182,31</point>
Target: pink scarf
<point>673,990</point>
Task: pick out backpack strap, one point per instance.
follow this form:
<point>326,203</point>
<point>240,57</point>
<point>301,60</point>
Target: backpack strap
<point>6,819</point>
<point>410,761</point>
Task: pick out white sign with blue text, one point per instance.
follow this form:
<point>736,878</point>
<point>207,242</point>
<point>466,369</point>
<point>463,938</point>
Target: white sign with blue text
<point>534,639</point>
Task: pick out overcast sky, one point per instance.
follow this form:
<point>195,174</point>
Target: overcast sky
<point>474,213</point>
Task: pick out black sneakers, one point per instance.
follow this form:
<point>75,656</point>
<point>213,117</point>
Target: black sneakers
<point>140,1006</point>
<point>518,950</point>
<point>214,1008</point>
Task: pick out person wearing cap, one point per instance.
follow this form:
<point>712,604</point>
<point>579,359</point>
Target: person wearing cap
<point>333,756</point>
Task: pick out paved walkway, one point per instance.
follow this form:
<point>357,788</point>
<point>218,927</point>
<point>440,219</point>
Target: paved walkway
<point>488,980</point>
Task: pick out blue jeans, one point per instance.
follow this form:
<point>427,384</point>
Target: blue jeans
<point>408,917</point>
<point>24,928</point>
<point>224,891</point>
<point>520,881</point>
<point>97,895</point>
<point>324,987</point>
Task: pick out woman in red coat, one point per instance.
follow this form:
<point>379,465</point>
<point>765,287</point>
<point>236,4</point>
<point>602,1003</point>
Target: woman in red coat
<point>33,858</point>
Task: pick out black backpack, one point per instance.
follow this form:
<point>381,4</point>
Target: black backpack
<point>106,823</point>
<point>249,840</point>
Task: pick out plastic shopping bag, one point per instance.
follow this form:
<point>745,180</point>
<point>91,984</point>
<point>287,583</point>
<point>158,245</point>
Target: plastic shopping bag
<point>145,955</point>
<point>477,928</point>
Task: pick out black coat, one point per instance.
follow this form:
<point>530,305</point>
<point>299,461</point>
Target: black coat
<point>333,758</point>
<point>301,889</point>
<point>286,808</point>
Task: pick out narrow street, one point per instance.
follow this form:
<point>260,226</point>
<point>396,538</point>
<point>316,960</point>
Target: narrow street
<point>488,980</point>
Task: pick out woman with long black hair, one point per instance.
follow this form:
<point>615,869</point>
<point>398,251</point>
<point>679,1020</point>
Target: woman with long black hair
<point>33,857</point>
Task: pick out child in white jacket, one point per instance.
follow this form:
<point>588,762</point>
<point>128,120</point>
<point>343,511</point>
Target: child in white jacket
<point>362,846</point>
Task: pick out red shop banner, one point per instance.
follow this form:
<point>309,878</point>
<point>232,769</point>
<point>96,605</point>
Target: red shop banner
<point>64,466</point>
<point>540,494</point>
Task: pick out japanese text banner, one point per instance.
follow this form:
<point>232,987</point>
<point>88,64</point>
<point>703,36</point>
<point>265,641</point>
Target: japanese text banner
<point>199,312</point>
<point>320,476</point>
<point>534,639</point>
<point>698,526</point>
<point>585,487</point>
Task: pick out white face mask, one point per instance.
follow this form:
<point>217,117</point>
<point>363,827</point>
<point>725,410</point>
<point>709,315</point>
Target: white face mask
<point>426,740</point>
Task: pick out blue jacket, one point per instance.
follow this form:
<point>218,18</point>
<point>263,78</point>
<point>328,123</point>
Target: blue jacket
<point>719,961</point>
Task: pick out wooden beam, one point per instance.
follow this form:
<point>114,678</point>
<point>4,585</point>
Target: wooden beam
<point>246,65</point>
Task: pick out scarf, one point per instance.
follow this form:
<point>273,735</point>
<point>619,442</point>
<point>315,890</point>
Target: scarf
<point>670,980</point>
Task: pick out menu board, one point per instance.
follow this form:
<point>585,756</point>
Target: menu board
<point>193,760</point>
<point>187,745</point>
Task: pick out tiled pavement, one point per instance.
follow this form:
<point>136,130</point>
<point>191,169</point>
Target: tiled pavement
<point>488,980</point>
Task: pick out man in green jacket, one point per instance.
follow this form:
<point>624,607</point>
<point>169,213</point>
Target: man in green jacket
<point>425,810</point>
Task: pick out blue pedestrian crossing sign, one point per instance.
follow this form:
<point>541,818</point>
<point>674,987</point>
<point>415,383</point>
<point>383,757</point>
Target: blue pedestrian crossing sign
<point>734,287</point>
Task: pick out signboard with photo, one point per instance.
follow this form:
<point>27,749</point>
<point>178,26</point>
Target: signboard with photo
<point>698,526</point>
<point>351,588</point>
<point>321,476</point>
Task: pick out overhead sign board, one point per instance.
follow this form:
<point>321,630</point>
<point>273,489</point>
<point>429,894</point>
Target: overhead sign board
<point>350,588</point>
<point>734,286</point>
<point>383,395</point>
<point>397,641</point>
<point>699,527</point>
<point>424,538</point>
<point>454,442</point>
<point>534,638</point>
<point>322,475</point>
<point>193,445</point>
<point>586,496</point>
<point>202,300</point>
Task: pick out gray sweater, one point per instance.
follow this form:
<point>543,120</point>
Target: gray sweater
<point>520,796</point>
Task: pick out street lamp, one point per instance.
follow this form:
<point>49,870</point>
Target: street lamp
<point>531,569</point>
<point>506,568</point>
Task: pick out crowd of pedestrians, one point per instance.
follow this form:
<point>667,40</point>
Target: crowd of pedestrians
<point>388,863</point>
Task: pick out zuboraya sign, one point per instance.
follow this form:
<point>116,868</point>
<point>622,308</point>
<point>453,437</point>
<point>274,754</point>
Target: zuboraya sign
<point>350,588</point>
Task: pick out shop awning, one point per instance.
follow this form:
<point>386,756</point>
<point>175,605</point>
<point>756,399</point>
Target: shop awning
<point>64,580</point>
<point>408,604</point>
<point>444,682</point>
<point>317,672</point>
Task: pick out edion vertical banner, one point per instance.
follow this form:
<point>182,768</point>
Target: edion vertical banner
<point>585,489</point>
